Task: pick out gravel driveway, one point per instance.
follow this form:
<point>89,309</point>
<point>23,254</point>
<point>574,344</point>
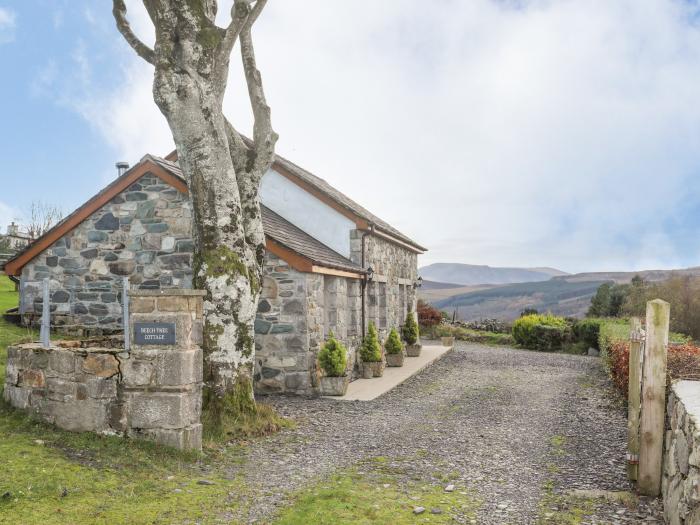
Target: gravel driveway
<point>521,429</point>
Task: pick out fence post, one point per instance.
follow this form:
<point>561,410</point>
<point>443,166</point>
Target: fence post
<point>653,397</point>
<point>125,313</point>
<point>633,398</point>
<point>45,315</point>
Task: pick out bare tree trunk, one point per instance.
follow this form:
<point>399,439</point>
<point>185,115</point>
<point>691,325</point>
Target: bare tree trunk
<point>191,58</point>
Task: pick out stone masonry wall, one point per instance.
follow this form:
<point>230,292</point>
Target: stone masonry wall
<point>143,233</point>
<point>282,358</point>
<point>680,485</point>
<point>153,392</point>
<point>296,313</point>
<point>391,294</point>
<point>73,388</point>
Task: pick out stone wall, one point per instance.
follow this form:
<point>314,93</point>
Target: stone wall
<point>73,388</point>
<point>680,485</point>
<point>391,293</point>
<point>296,313</point>
<point>143,233</point>
<point>283,362</point>
<point>152,392</point>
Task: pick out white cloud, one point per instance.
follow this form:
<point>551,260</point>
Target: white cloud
<point>8,23</point>
<point>556,133</point>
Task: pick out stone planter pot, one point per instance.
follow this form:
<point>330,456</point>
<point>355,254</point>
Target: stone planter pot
<point>413,350</point>
<point>372,369</point>
<point>448,341</point>
<point>334,386</point>
<point>377,368</point>
<point>394,359</point>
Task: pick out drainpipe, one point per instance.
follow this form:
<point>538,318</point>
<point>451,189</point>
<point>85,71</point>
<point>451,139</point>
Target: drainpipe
<point>363,283</point>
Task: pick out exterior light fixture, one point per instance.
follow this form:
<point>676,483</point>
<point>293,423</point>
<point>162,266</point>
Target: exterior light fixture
<point>418,283</point>
<point>370,273</point>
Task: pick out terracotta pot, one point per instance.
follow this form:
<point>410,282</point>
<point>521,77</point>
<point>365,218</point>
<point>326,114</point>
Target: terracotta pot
<point>413,350</point>
<point>448,341</point>
<point>394,359</point>
<point>334,386</point>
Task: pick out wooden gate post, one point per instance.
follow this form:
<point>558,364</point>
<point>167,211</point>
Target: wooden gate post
<point>633,395</point>
<point>653,397</point>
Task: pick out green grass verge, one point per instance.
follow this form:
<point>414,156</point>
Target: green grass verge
<point>377,497</point>
<point>469,335</point>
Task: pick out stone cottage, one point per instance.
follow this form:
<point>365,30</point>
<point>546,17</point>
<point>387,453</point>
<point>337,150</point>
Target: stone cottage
<point>330,265</point>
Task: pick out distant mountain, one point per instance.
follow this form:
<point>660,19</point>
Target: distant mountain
<point>558,296</point>
<point>568,295</point>
<point>471,274</point>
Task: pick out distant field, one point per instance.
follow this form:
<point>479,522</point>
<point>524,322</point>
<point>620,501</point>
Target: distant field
<point>558,296</point>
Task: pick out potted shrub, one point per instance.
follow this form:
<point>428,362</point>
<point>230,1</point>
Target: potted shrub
<point>371,354</point>
<point>393,348</point>
<point>410,335</point>
<point>333,360</point>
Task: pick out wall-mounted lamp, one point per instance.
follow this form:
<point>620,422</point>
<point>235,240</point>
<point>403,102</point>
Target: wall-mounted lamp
<point>418,283</point>
<point>370,273</point>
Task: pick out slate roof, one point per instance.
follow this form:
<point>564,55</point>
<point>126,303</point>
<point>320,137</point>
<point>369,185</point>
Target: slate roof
<point>285,233</point>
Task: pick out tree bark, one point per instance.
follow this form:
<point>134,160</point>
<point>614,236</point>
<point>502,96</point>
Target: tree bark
<point>191,59</point>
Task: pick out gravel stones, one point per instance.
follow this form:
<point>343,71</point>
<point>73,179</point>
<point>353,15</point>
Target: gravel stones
<point>484,418</point>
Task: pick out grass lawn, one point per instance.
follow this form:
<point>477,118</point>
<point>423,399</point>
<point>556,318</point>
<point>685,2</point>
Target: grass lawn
<point>373,494</point>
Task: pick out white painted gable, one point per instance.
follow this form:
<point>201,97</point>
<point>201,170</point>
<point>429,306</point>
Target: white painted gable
<point>306,212</point>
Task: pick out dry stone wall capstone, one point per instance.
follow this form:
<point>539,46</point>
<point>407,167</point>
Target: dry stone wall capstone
<point>680,486</point>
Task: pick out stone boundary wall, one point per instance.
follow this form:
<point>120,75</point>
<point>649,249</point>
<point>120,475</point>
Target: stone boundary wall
<point>153,392</point>
<point>680,485</point>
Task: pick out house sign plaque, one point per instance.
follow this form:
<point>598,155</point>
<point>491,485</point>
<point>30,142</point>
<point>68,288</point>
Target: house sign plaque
<point>154,333</point>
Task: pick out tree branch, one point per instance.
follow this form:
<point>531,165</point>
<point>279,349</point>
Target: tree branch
<point>142,50</point>
<point>239,150</point>
<point>264,137</point>
<point>239,15</point>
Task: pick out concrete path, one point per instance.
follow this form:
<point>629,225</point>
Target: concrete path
<point>368,389</point>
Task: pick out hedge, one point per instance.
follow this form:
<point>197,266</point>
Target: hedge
<point>588,331</point>
<point>541,332</point>
<point>683,362</point>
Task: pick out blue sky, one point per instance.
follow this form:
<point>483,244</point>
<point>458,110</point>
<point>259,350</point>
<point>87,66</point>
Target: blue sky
<point>544,132</point>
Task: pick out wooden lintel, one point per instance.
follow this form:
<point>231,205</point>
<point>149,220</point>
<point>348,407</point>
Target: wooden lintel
<point>336,273</point>
<point>292,258</point>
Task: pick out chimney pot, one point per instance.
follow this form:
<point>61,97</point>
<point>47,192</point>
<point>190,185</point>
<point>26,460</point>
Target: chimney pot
<point>121,168</point>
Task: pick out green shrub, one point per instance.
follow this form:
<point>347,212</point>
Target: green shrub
<point>541,332</point>
<point>410,329</point>
<point>550,338</point>
<point>333,357</point>
<point>371,351</point>
<point>587,331</point>
<point>393,344</point>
